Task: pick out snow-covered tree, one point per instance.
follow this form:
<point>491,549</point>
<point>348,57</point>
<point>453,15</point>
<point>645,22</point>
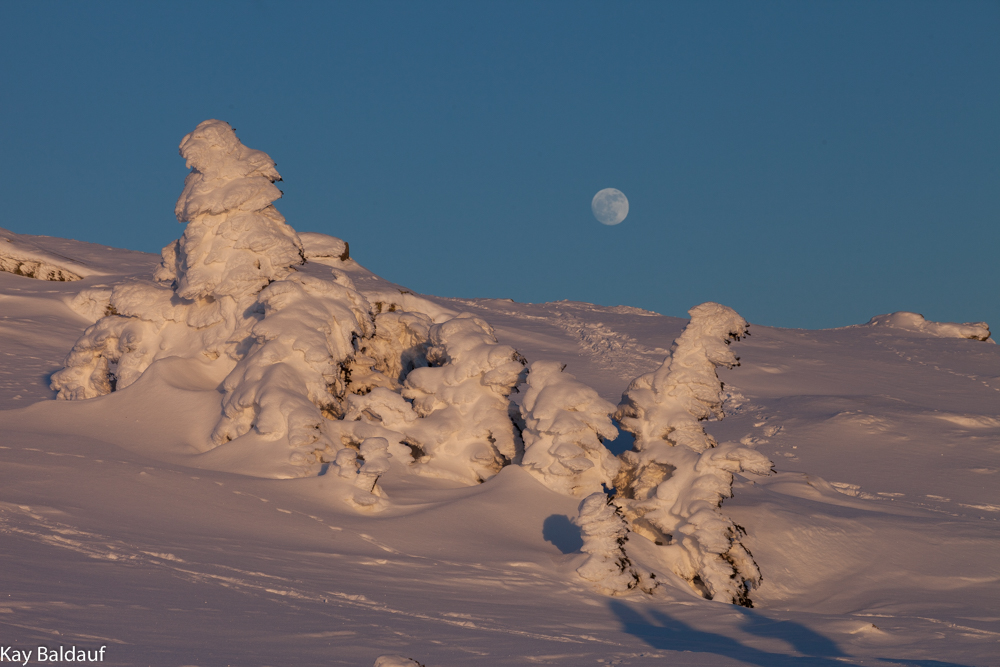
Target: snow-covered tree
<point>604,532</point>
<point>293,371</point>
<point>565,424</point>
<point>453,412</point>
<point>674,481</point>
<point>229,294</point>
<point>235,243</point>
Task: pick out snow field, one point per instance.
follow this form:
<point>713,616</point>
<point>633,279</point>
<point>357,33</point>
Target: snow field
<point>280,448</point>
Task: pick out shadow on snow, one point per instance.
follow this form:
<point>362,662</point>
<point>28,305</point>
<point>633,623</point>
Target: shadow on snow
<point>562,532</point>
<point>663,632</point>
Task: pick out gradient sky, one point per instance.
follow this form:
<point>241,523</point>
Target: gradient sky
<point>809,164</point>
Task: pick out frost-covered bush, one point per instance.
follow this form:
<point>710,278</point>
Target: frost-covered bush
<point>604,533</point>
<point>453,412</point>
<point>565,424</point>
<point>673,482</point>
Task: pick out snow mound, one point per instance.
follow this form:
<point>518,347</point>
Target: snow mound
<point>916,322</point>
<point>21,257</point>
<point>92,303</point>
<point>674,480</point>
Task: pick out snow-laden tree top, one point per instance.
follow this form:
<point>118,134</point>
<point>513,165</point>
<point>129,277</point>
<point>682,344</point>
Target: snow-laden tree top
<point>236,242</point>
<point>225,174</point>
<point>668,403</point>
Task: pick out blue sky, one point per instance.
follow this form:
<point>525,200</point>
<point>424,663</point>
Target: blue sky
<point>810,164</point>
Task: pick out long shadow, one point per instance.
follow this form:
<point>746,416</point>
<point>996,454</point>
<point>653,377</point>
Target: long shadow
<point>919,663</point>
<point>663,632</point>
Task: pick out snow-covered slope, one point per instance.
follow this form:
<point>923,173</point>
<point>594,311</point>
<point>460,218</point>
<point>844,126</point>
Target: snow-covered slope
<point>876,538</point>
<point>262,453</point>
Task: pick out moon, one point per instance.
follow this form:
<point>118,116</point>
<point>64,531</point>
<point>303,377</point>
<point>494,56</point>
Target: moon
<point>610,206</point>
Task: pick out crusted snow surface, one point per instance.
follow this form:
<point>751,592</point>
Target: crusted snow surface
<point>916,322</point>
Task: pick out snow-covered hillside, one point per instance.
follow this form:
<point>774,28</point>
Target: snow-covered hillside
<point>268,455</point>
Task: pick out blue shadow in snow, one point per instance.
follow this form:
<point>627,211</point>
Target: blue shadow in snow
<point>563,533</point>
<point>920,663</point>
<point>663,632</point>
<point>622,443</point>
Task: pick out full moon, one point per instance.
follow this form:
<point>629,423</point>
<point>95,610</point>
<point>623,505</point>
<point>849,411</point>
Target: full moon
<point>610,206</point>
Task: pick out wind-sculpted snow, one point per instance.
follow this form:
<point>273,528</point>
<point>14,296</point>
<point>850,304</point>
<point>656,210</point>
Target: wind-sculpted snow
<point>566,423</point>
<point>675,479</point>
<point>916,322</point>
<point>883,511</point>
